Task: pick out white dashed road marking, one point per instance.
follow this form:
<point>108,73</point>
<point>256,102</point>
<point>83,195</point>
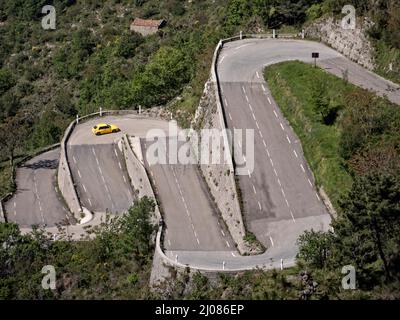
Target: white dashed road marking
<point>291,213</point>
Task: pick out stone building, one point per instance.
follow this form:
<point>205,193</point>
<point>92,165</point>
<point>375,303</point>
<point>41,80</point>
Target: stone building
<point>147,27</point>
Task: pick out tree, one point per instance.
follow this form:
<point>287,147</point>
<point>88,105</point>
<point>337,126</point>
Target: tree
<point>13,133</point>
<point>315,247</point>
<point>368,228</point>
<point>137,228</point>
<point>321,104</point>
<point>128,43</point>
<point>162,78</point>
<point>6,80</point>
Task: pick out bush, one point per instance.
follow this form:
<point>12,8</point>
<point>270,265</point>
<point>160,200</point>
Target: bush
<point>6,80</point>
<point>128,43</point>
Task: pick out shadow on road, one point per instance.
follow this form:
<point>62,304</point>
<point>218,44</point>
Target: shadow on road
<point>42,164</point>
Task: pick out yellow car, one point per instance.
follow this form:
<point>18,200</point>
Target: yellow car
<point>104,128</point>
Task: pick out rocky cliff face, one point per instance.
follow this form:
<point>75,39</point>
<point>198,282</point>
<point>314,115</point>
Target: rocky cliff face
<point>354,44</point>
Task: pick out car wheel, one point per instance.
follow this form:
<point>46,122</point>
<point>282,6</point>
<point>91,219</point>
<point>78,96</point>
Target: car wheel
<point>98,133</point>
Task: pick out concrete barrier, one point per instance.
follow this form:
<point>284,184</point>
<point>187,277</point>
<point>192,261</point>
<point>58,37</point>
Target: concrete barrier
<point>64,177</point>
<point>137,174</point>
<point>3,217</point>
<point>3,213</point>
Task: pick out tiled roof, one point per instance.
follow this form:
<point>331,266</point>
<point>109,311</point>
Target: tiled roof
<point>147,23</point>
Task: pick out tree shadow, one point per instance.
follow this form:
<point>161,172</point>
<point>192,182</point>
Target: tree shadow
<point>43,164</point>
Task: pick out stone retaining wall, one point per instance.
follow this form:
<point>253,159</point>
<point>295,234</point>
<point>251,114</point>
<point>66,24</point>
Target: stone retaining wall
<point>64,177</point>
<point>354,44</point>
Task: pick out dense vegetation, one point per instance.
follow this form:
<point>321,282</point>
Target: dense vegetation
<point>116,264</point>
<point>352,143</point>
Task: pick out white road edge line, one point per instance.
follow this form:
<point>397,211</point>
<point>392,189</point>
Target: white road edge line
<point>291,213</point>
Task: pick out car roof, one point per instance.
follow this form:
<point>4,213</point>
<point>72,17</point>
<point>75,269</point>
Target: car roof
<point>102,124</point>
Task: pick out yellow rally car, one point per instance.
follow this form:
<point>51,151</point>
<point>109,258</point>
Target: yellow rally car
<point>104,128</point>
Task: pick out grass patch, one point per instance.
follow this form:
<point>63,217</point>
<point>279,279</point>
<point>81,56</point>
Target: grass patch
<point>292,85</point>
<point>345,131</point>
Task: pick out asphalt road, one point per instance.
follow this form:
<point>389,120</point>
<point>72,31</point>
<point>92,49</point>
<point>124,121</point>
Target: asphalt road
<point>100,177</point>
<point>99,173</point>
<point>280,193</point>
<point>280,198</point>
<point>36,201</point>
<point>192,224</point>
<point>98,167</point>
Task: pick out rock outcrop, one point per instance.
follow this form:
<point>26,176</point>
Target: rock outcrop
<point>354,44</point>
